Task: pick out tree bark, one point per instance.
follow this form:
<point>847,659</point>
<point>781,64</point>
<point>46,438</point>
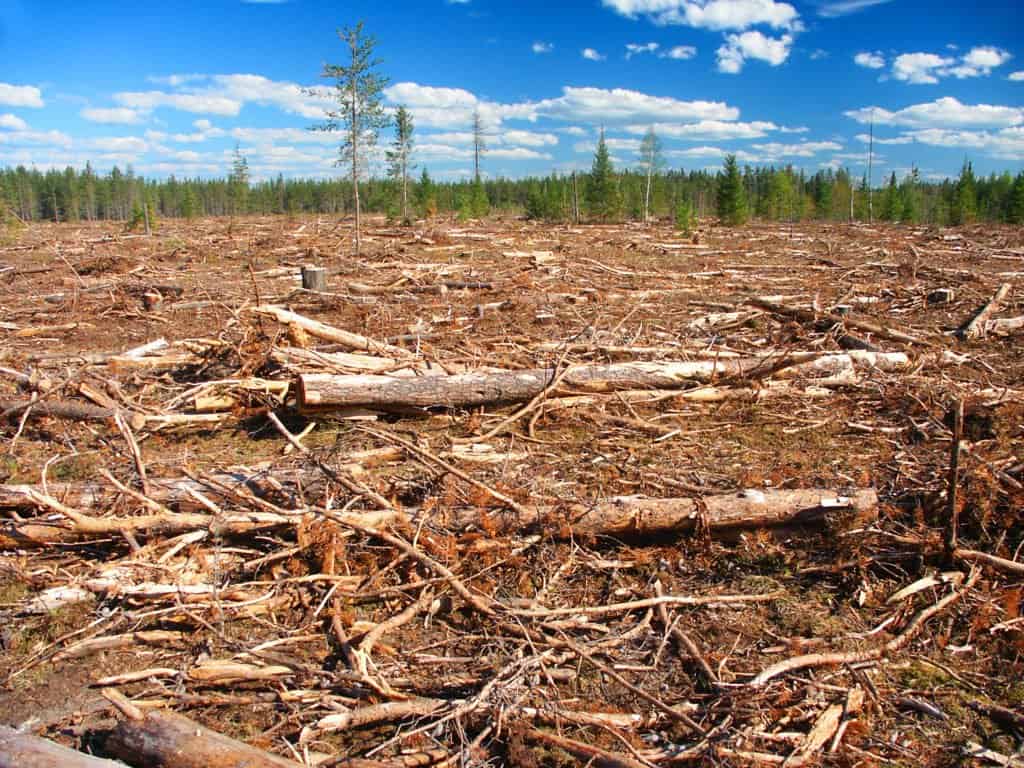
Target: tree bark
<point>975,326</point>
<point>22,750</point>
<point>169,740</point>
<point>810,316</point>
<point>320,390</point>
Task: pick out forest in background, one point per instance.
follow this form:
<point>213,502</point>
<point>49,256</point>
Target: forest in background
<point>604,194</point>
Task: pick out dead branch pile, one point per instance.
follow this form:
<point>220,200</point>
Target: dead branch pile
<point>512,496</point>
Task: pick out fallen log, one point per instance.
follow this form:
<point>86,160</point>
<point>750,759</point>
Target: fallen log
<point>321,390</point>
<point>975,325</point>
<point>642,516</point>
<point>22,750</point>
<point>68,409</point>
<point>330,333</point>
<point>168,740</point>
<point>810,316</point>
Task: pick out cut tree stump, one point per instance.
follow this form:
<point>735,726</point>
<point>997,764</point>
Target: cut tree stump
<point>22,750</point>
<point>314,279</point>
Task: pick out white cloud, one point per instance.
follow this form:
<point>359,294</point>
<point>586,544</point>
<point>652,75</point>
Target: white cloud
<point>119,115</point>
<point>870,60</point>
<point>707,130</point>
<point>591,55</point>
<point>1017,77</point>
<point>42,138</point>
<point>528,138</point>
<point>867,139</point>
<point>819,53</point>
<point>927,68</point>
<point>575,130</point>
<point>542,47</point>
<point>711,14</point>
<point>752,45</point>
<point>704,152</point>
<point>679,53</point>
<point>633,49</point>
<point>845,7</point>
<point>13,122</point>
<point>119,144</point>
<point>944,112</point>
<point>147,101</point>
<point>803,149</point>
<point>599,105</point>
<point>20,95</point>
<point>1006,144</point>
<point>271,135</point>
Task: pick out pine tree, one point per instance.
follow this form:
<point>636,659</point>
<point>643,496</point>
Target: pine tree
<point>964,206</point>
<point>479,145</point>
<point>893,205</point>
<point>359,114</point>
<point>732,201</point>
<point>400,156</point>
<point>909,197</point>
<point>603,200</point>
<point>684,216</point>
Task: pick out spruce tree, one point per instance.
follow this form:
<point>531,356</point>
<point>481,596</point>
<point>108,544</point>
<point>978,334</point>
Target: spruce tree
<point>426,196</point>
<point>238,183</point>
<point>964,207</point>
<point>732,201</point>
<point>1016,211</point>
<point>603,201</point>
<point>893,205</point>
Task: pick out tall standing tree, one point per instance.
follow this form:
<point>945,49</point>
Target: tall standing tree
<point>359,112</point>
<point>652,160</point>
<point>964,207</point>
<point>400,156</point>
<point>479,145</point>
<point>732,200</point>
<point>238,182</point>
<point>603,199</point>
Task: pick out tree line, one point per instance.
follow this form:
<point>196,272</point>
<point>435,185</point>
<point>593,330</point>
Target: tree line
<point>604,194</point>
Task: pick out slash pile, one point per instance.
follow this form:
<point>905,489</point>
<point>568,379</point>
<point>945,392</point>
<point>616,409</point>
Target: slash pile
<point>511,495</point>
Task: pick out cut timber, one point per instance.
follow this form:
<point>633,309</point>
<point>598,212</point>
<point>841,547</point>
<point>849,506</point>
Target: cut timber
<point>314,279</point>
<point>22,750</point>
<point>330,333</point>
<point>810,316</point>
<point>641,516</point>
<point>1005,326</point>
<point>169,740</point>
<point>318,391</point>
<point>976,325</point>
<point>70,410</point>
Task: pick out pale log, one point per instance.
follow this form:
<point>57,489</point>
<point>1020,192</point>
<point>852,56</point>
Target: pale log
<point>330,333</point>
<point>22,750</point>
<point>975,326</point>
<point>169,740</point>
<point>466,390</point>
<point>810,316</point>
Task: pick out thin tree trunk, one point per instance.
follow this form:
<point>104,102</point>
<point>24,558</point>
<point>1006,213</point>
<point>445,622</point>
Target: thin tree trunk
<point>647,195</point>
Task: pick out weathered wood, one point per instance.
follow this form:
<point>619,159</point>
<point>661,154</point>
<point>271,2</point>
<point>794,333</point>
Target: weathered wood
<point>975,326</point>
<point>67,409</point>
<point>810,316</point>
<point>169,740</point>
<point>316,390</point>
<point>314,279</point>
<point>22,750</point>
<point>641,516</point>
<point>330,333</point>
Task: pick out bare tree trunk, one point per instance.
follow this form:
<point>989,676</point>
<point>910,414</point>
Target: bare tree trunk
<point>22,750</point>
<point>647,194</point>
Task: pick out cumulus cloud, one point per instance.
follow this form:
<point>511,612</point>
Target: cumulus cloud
<point>774,150</point>
<point>927,68</point>
<point>591,55</point>
<point>600,105</point>
<point>711,14</point>
<point>870,60</point>
<point>542,47</point>
<point>707,130</point>
<point>33,138</point>
<point>147,101</point>
<point>945,112</point>
<point>21,95</point>
<point>1017,77</point>
<point>117,115</point>
<point>13,122</point>
<point>752,45</point>
<point>679,53</point>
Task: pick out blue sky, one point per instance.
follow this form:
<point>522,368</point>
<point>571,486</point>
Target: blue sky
<point>171,87</point>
